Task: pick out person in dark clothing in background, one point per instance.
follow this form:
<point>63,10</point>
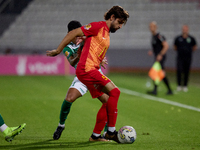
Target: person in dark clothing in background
<point>160,47</point>
<point>184,44</point>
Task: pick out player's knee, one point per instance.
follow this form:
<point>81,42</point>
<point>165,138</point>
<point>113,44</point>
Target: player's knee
<point>105,98</point>
<point>115,92</point>
<point>118,91</point>
<point>70,99</point>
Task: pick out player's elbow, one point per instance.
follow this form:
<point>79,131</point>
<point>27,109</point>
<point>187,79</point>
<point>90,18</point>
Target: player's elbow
<point>166,46</point>
<point>194,48</point>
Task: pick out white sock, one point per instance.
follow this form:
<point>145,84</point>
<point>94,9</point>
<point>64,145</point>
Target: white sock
<point>95,134</point>
<point>111,129</point>
<point>3,127</point>
<point>61,125</point>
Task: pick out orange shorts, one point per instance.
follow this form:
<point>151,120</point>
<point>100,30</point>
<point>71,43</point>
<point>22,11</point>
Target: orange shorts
<point>94,80</point>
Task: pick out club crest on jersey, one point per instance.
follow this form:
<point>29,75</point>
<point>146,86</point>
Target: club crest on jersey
<point>160,37</point>
<point>87,27</point>
<point>188,40</point>
<point>67,53</point>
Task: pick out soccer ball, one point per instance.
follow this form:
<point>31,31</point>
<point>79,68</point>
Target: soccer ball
<point>126,134</point>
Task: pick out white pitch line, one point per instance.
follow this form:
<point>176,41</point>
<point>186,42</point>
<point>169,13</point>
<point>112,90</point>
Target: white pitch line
<point>162,100</point>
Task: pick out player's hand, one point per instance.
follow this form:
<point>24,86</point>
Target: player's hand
<point>159,57</point>
<point>52,53</point>
<point>80,39</point>
<point>104,62</point>
<point>150,52</point>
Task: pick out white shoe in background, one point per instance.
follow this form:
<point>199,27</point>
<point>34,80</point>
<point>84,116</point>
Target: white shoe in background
<point>179,88</point>
<point>185,89</point>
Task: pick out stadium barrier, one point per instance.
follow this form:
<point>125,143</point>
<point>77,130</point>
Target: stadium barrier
<point>36,65</point>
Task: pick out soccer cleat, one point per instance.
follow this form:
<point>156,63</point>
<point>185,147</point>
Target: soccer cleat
<point>58,132</point>
<point>97,139</point>
<point>185,89</point>
<point>169,93</point>
<point>104,134</point>
<point>179,88</point>
<point>11,132</point>
<point>112,136</point>
<point>152,92</point>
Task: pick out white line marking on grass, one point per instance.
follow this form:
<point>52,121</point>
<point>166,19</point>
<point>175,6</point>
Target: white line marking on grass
<point>162,100</point>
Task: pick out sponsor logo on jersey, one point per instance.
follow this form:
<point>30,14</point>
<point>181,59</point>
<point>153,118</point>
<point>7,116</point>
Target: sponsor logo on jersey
<point>188,40</point>
<point>161,38</point>
<point>87,27</point>
<point>66,53</point>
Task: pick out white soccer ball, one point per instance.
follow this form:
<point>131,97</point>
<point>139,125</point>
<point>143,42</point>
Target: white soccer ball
<point>127,134</point>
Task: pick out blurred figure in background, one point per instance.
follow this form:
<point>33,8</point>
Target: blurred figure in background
<point>8,51</point>
<point>184,44</point>
<point>160,47</point>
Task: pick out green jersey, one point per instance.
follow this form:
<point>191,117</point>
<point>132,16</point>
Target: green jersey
<point>71,50</point>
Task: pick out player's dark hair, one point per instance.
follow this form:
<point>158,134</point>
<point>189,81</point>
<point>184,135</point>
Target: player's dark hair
<point>119,12</point>
<point>73,25</point>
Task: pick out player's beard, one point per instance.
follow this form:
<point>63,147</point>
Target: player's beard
<point>112,28</point>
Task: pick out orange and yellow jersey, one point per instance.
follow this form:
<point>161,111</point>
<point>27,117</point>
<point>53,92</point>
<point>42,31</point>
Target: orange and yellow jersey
<point>95,47</point>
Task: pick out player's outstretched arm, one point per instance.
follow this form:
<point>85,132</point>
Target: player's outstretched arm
<point>67,39</point>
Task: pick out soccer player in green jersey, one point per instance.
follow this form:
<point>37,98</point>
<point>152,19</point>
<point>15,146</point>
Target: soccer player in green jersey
<point>77,89</point>
<point>10,132</point>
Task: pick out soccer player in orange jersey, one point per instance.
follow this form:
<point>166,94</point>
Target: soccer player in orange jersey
<point>96,45</point>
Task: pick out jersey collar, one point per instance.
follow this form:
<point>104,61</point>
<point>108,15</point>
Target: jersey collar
<point>106,27</point>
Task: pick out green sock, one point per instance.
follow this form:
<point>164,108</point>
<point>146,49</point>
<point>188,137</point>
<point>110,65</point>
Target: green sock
<point>65,109</point>
<point>3,127</point>
<point>106,128</point>
<point>1,120</point>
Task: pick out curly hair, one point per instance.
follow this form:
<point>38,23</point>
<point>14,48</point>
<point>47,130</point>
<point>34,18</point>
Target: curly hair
<point>118,12</point>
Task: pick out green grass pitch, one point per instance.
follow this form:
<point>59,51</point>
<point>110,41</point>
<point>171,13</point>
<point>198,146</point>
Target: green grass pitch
<point>36,101</point>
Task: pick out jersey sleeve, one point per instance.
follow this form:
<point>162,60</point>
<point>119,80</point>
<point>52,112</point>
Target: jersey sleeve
<point>91,29</point>
<point>67,52</point>
<point>161,38</point>
<point>176,41</point>
<point>194,41</point>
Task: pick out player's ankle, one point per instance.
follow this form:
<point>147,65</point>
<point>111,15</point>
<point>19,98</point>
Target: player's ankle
<point>111,133</point>
<point>95,136</point>
<point>61,125</point>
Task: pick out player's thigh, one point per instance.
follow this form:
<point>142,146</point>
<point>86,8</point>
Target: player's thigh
<point>103,98</point>
<point>76,90</point>
<point>187,64</point>
<point>105,85</point>
<point>108,87</point>
<point>72,95</point>
<point>180,65</point>
<point>162,63</point>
